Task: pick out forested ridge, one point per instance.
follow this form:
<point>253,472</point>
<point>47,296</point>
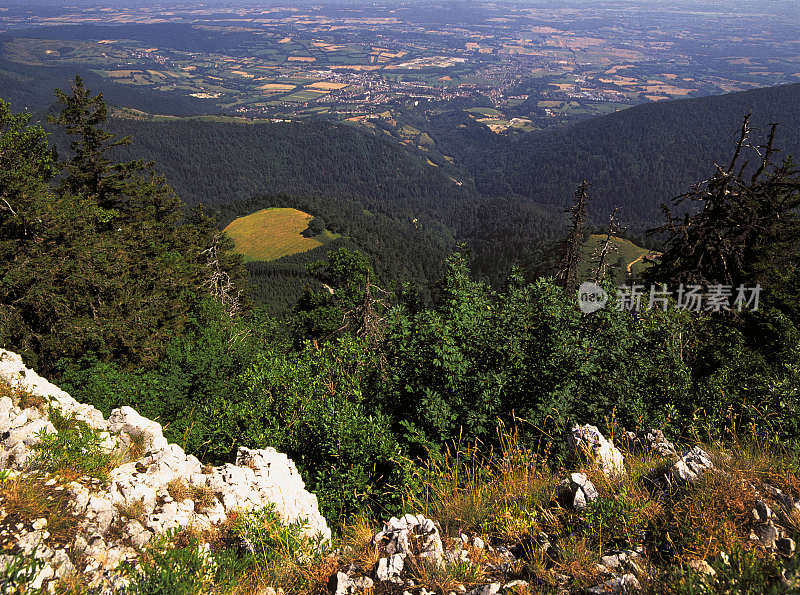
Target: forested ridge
<point>509,207</point>
<point>635,159</point>
<point>387,200</point>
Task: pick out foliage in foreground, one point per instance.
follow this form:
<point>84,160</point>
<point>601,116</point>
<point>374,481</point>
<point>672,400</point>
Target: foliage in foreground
<point>250,550</point>
<point>509,497</point>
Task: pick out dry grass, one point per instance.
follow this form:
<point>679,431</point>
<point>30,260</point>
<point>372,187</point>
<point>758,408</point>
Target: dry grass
<point>202,496</point>
<point>269,234</point>
<point>134,511</point>
<point>23,398</point>
<point>135,448</point>
<point>356,544</point>
<point>509,496</point>
<point>501,494</point>
<point>26,498</point>
<point>179,490</point>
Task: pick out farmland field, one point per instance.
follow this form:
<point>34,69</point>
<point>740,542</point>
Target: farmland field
<point>270,234</point>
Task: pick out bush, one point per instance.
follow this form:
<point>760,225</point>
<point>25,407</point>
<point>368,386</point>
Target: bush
<point>315,407</point>
<point>271,541</point>
<point>75,449</point>
<point>199,373</point>
<point>164,568</point>
<point>480,356</point>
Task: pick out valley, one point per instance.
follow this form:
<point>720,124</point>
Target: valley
<point>294,300</point>
<point>511,68</point>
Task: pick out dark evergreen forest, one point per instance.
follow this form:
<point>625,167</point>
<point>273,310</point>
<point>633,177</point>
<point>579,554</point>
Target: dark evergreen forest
<point>407,216</point>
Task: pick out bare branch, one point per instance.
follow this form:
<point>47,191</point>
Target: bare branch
<point>219,283</point>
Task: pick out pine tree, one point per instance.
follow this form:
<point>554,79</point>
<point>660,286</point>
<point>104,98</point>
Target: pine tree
<point>105,262</point>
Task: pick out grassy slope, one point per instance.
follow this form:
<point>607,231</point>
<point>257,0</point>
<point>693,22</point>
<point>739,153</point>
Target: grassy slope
<point>625,249</point>
<point>270,234</point>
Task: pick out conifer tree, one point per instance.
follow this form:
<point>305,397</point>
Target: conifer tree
<point>742,227</point>
<point>105,262</point>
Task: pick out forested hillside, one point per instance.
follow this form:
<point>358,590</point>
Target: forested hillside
<point>635,159</point>
<point>407,214</point>
<point>402,211</point>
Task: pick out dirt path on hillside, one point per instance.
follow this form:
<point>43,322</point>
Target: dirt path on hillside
<point>633,262</point>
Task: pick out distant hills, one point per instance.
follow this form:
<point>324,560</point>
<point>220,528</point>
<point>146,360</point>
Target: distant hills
<point>635,159</point>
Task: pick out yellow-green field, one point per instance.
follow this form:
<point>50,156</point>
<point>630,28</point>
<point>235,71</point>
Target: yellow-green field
<point>631,255</point>
<point>270,234</point>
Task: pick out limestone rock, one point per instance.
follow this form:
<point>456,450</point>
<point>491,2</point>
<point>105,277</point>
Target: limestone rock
<point>587,441</point>
<point>488,589</point>
<point>691,467</point>
<point>390,568</point>
<point>786,546</point>
<point>622,561</point>
<point>116,520</point>
<point>14,372</point>
<point>576,491</point>
<point>136,428</point>
<point>650,440</point>
<point>702,567</point>
<point>412,536</point>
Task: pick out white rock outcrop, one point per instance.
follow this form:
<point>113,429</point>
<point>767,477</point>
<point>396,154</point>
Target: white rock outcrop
<point>577,491</point>
<point>589,442</point>
<point>691,467</point>
<point>119,518</point>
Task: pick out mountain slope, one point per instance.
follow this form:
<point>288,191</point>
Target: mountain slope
<point>636,159</point>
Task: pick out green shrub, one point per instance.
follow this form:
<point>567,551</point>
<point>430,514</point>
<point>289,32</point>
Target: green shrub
<point>615,521</point>
<point>314,406</point>
<point>164,568</point>
<point>19,572</point>
<point>269,539</point>
<point>75,449</point>
<point>200,370</point>
<point>481,355</point>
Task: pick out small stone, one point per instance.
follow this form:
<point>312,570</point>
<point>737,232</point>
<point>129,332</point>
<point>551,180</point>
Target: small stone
<point>766,535</point>
<point>691,466</point>
<point>340,584</point>
<point>390,568</point>
<point>489,589</point>
<point>702,567</point>
<point>589,442</point>
<point>46,573</point>
<point>361,584</point>
<point>576,491</point>
<point>478,543</point>
<point>762,512</point>
<point>39,524</point>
